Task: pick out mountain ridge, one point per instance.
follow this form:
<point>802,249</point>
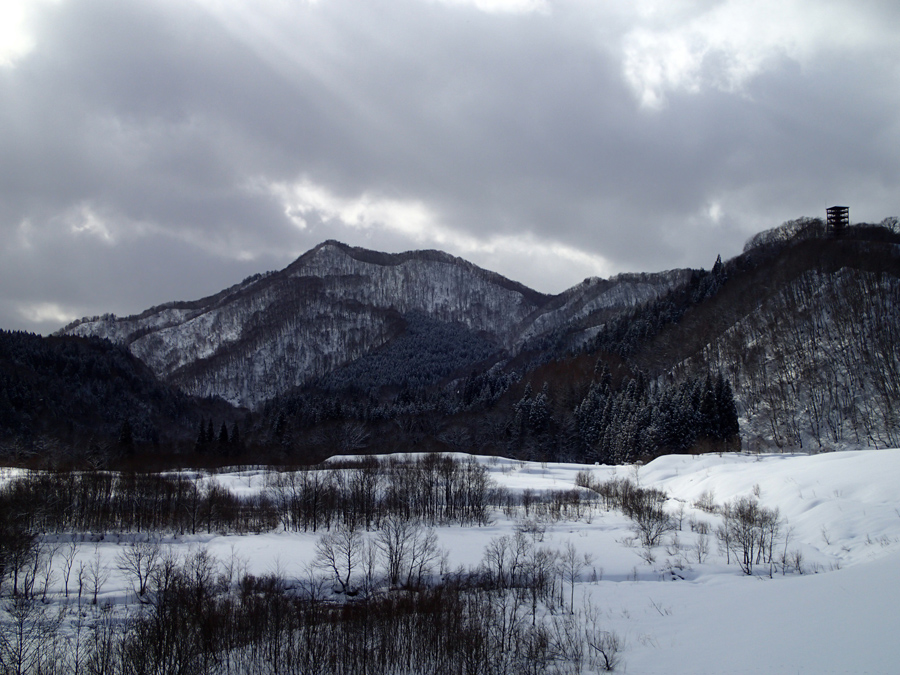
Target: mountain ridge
<point>334,304</point>
<point>791,344</point>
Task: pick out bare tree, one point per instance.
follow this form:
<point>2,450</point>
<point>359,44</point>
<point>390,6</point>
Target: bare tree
<point>81,578</point>
<point>604,645</point>
<point>539,571</point>
<point>68,562</point>
<point>104,642</point>
<point>27,636</point>
<point>341,552</point>
<point>17,550</point>
<point>48,553</point>
<point>701,547</point>
<point>568,644</point>
<point>496,560</point>
<point>234,567</point>
<point>369,561</point>
<point>424,553</point>
<point>409,550</point>
<point>647,511</point>
<point>392,540</point>
<point>572,564</point>
<point>139,560</point>
<point>97,575</point>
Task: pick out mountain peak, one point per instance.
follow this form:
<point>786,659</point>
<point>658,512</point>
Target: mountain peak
<point>332,249</point>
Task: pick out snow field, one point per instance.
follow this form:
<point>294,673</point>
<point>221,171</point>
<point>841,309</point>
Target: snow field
<point>840,512</point>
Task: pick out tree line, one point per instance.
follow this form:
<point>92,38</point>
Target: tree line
<point>572,417</point>
<point>432,489</point>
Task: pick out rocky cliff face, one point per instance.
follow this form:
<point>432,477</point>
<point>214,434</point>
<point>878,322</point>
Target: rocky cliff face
<point>335,304</point>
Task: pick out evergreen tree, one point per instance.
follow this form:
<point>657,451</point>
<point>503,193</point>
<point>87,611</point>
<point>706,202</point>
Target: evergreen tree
<point>729,426</point>
<point>126,438</point>
<point>708,417</point>
<point>223,437</point>
<point>588,416</point>
<point>522,413</point>
<point>235,438</point>
<point>200,445</point>
<point>602,376</point>
<point>538,413</point>
<point>280,426</point>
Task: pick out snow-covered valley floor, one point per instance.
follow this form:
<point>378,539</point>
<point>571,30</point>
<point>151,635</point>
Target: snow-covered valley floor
<point>677,609</point>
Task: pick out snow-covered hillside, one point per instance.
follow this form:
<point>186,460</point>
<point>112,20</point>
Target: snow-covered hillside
<point>595,300</point>
<point>331,306</point>
<point>828,604</point>
<point>335,304</point>
<point>816,365</point>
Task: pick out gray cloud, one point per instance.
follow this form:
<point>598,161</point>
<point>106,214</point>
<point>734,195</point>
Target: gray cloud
<point>159,151</point>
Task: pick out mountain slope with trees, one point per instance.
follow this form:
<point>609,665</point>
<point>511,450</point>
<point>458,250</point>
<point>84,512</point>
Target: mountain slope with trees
<point>85,400</point>
<point>790,343</point>
<point>336,304</point>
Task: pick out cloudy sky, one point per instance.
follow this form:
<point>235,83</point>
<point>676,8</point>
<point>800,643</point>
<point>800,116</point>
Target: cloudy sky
<point>163,150</point>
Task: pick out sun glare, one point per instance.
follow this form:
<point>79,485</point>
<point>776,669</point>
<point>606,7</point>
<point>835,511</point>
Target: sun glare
<point>15,42</point>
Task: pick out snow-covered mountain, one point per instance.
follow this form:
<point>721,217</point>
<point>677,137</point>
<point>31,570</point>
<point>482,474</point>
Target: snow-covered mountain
<point>334,304</point>
<point>584,307</point>
<point>808,334</point>
<point>817,364</point>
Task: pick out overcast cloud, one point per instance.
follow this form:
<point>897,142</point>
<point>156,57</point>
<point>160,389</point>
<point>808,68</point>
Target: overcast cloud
<point>156,151</point>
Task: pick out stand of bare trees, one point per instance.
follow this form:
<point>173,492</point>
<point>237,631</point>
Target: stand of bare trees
<point>749,533</point>
<point>645,506</point>
<point>433,489</point>
<point>197,618</point>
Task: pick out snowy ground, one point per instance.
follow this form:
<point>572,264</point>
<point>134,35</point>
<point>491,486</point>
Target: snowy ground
<point>841,512</point>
